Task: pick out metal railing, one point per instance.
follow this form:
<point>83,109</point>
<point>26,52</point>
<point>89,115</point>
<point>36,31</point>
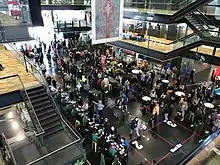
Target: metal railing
<point>8,149</point>
<point>39,76</point>
<point>29,106</point>
<point>38,129</point>
<point>54,152</point>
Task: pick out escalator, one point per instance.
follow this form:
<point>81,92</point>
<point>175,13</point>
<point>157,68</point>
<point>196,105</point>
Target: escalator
<point>186,7</point>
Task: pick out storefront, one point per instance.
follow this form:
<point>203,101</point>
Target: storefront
<point>146,61</point>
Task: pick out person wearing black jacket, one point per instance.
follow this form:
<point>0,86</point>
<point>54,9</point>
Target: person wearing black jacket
<point>133,126</point>
<point>193,111</point>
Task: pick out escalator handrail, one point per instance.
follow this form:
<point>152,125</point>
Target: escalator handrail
<point>184,2</point>
<point>200,20</point>
<point>211,22</point>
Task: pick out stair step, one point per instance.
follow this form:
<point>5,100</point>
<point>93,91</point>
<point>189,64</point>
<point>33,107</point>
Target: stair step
<point>44,112</point>
<point>39,99</point>
<point>48,127</point>
<point>53,131</point>
<point>38,95</point>
<point>49,121</point>
<point>42,103</point>
<point>32,92</point>
<point>40,109</point>
<point>47,116</point>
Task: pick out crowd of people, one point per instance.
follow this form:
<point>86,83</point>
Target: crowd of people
<point>87,81</point>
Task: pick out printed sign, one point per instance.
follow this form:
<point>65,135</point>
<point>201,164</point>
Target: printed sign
<point>107,20</point>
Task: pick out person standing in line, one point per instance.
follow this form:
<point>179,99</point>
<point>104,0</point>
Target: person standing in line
<point>54,82</point>
<point>100,108</point>
<point>155,113</point>
<point>191,76</point>
<point>134,127</point>
<point>167,112</point>
<point>184,108</point>
<point>43,68</point>
<point>48,78</point>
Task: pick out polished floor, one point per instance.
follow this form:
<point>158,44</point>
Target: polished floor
<point>12,67</point>
<point>156,144</point>
<point>26,147</point>
<point>158,140</point>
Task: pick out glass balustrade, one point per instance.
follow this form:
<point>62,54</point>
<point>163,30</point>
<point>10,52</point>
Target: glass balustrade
<point>34,124</point>
<point>67,140</point>
<point>6,154</point>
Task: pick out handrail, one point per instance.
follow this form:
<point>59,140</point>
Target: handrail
<point>53,152</point>
<point>210,21</point>
<point>200,20</point>
<point>37,134</point>
<point>58,111</point>
<point>9,147</point>
<point>44,83</point>
<point>185,3</point>
<point>16,75</point>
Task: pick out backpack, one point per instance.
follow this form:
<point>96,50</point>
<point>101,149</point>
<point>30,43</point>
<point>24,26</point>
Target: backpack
<point>125,100</point>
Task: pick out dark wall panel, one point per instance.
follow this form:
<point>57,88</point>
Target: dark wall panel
<point>35,10</point>
<point>10,98</point>
<point>14,33</point>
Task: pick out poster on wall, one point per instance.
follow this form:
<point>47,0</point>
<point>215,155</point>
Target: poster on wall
<point>107,20</point>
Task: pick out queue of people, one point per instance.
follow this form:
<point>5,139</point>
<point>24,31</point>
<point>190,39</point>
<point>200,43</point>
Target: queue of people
<point>88,80</point>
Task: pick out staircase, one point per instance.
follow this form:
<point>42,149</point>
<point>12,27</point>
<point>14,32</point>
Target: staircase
<point>44,109</point>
